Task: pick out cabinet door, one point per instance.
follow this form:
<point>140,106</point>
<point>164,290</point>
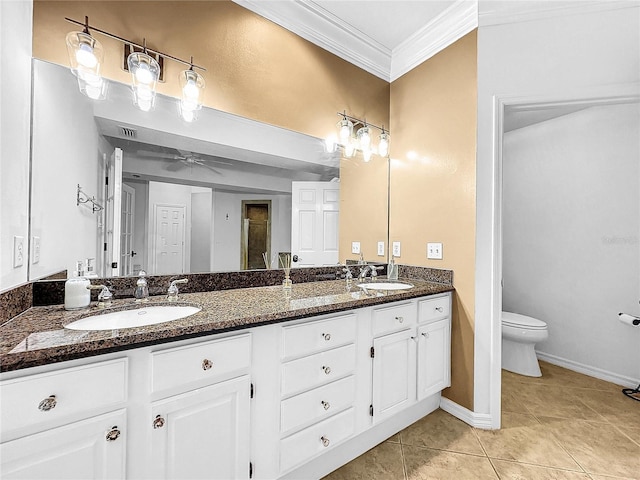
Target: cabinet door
<point>394,374</point>
<point>88,449</point>
<point>434,357</point>
<point>203,433</point>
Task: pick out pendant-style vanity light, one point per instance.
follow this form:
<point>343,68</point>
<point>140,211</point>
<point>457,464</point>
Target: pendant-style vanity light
<point>145,72</point>
<point>86,55</point>
<point>362,140</point>
<point>85,58</point>
<point>192,86</point>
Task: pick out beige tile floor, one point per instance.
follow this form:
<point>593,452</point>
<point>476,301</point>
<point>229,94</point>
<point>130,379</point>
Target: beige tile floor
<point>561,426</point>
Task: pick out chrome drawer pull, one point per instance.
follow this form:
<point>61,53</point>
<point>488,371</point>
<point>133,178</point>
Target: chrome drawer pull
<point>327,370</point>
<point>48,403</point>
<point>207,364</point>
<point>158,422</point>
<point>439,309</point>
<point>113,434</point>
<point>327,336</point>
<point>325,405</point>
<point>400,319</point>
<point>325,441</point>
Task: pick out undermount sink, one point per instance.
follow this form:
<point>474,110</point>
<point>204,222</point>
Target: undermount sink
<point>385,286</point>
<point>137,317</point>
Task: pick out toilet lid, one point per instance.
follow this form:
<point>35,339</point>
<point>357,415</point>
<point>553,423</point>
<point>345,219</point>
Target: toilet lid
<point>517,320</point>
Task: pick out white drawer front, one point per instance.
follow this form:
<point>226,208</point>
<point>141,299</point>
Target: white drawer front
<point>317,404</point>
<point>317,336</point>
<point>318,369</point>
<point>318,438</point>
<point>62,396</point>
<point>434,308</point>
<point>212,360</point>
<point>393,318</point>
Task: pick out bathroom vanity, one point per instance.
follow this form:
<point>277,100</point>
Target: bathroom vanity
<point>259,384</point>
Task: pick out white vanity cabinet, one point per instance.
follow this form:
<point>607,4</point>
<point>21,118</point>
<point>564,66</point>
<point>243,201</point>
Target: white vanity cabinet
<point>202,432</point>
<point>67,423</point>
<point>434,345</point>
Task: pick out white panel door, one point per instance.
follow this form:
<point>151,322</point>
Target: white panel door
<point>89,449</point>
<point>434,357</point>
<point>169,239</point>
<point>314,223</point>
<point>394,374</point>
<point>203,434</point>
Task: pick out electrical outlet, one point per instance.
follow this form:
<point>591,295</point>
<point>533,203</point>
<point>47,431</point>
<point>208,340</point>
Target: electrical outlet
<point>381,249</point>
<point>395,250</point>
<point>434,251</point>
<point>18,251</point>
<point>35,249</point>
<point>355,247</point>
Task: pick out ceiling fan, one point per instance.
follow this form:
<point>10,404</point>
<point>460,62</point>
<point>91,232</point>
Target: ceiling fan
<point>184,158</point>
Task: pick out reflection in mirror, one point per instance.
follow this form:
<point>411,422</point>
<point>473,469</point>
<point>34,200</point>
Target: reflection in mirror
<point>212,195</point>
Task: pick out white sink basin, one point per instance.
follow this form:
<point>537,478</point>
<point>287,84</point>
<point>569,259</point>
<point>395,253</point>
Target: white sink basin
<point>385,286</point>
<point>137,317</point>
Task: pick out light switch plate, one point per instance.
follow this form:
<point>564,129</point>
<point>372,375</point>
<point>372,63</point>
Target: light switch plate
<point>434,251</point>
<point>381,249</point>
<point>35,249</point>
<point>18,251</point>
<point>355,247</point>
<point>395,250</point>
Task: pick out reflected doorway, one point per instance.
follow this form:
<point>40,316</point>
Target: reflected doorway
<point>256,233</point>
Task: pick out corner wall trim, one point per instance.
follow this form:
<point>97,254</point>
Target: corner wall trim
<point>483,421</point>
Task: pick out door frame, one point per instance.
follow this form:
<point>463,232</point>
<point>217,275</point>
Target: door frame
<point>244,260</point>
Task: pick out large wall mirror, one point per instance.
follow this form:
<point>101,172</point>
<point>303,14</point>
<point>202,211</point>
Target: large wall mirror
<point>210,195</point>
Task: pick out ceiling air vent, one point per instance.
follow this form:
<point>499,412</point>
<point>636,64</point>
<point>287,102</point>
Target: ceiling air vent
<point>128,132</point>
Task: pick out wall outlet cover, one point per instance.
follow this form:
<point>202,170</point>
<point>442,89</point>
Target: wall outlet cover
<point>35,249</point>
<point>355,247</point>
<point>434,251</point>
<point>395,250</point>
<point>18,251</point>
<point>381,249</point>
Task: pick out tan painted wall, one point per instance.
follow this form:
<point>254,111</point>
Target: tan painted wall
<point>432,198</point>
<point>255,69</point>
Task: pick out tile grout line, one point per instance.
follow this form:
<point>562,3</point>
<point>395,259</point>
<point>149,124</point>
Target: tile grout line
<point>404,464</point>
<point>475,433</point>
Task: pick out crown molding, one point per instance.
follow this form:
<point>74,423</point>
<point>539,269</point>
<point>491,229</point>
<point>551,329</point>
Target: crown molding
<point>313,23</point>
<point>452,24</point>
<point>499,13</point>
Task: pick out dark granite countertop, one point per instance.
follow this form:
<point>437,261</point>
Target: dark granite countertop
<point>38,337</point>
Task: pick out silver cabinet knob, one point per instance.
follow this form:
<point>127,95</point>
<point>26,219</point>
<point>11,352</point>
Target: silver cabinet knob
<point>325,441</point>
<point>48,403</point>
<point>439,309</point>
<point>327,369</point>
<point>327,336</point>
<point>400,319</point>
<point>113,434</point>
<point>207,364</point>
<point>158,422</point>
<point>325,405</point>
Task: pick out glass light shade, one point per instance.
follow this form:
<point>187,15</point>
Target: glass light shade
<point>383,144</point>
<point>187,114</point>
<point>331,143</point>
<point>144,76</point>
<point>345,128</point>
<point>364,137</point>
<point>93,86</point>
<point>192,86</point>
<point>366,154</point>
<point>85,53</point>
<point>349,149</point>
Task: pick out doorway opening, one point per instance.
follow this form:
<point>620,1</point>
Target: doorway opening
<point>255,234</point>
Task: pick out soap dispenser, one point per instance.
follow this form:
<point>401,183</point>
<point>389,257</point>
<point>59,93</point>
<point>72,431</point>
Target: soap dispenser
<point>142,289</point>
<point>76,293</point>
<point>392,269</point>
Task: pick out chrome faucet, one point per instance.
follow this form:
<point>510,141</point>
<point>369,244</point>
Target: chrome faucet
<point>172,292</point>
<point>363,272</point>
<point>348,276</point>
<point>374,272</point>
<point>104,297</point>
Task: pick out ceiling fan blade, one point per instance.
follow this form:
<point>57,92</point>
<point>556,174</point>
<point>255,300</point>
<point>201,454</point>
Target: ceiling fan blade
<point>174,166</point>
<point>145,153</point>
<point>207,166</point>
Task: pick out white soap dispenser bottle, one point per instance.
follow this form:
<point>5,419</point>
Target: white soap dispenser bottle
<point>76,293</point>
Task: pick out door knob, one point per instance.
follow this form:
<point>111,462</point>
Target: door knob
<point>294,258</point>
<point>133,254</point>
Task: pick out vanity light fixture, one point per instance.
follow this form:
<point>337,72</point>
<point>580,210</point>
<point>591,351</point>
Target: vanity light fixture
<point>86,55</point>
<point>362,140</point>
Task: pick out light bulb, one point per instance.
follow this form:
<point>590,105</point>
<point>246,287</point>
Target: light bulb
<point>364,137</point>
<point>330,143</point>
<point>383,145</point>
<point>366,154</point>
<point>349,149</point>
<point>191,90</point>
<point>85,56</point>
<point>346,129</point>
<point>187,115</point>
<point>143,74</point>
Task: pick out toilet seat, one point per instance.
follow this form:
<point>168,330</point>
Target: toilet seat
<point>516,320</point>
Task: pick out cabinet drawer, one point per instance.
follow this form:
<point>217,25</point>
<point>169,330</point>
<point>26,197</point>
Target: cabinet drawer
<point>318,336</point>
<point>212,360</point>
<point>318,438</point>
<point>78,391</point>
<point>434,308</point>
<point>393,318</point>
<point>317,404</point>
<point>314,370</point>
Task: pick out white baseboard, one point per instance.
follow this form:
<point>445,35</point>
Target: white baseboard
<point>478,420</point>
<point>589,370</point>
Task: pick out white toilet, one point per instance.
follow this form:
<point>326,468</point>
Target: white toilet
<point>519,337</point>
